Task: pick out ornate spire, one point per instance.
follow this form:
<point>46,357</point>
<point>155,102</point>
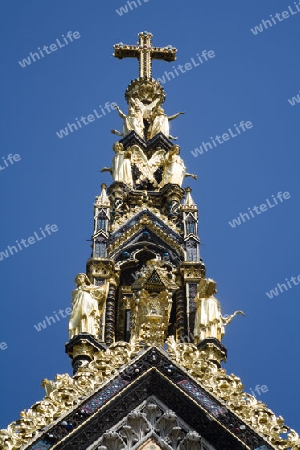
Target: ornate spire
<point>146,158</point>
<point>145,286</point>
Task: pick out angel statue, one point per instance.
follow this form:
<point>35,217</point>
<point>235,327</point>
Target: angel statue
<point>160,123</point>
<point>87,306</point>
<point>146,109</point>
<point>209,321</point>
<point>174,168</point>
<point>121,165</point>
<point>146,166</point>
<point>133,121</point>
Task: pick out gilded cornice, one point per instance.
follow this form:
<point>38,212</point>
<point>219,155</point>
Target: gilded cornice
<point>65,394</point>
<point>230,390</point>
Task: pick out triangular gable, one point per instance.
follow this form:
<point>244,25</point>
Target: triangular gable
<point>151,373</point>
<point>153,219</point>
<point>133,236</point>
<point>158,279</point>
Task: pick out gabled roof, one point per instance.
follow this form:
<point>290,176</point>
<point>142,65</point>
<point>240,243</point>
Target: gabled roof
<point>132,227</point>
<point>151,372</point>
<point>143,214</point>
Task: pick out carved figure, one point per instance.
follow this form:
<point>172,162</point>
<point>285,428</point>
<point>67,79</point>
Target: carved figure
<point>48,385</point>
<point>87,306</point>
<point>209,321</point>
<point>146,109</point>
<point>121,165</point>
<point>146,166</point>
<point>151,310</point>
<point>174,168</point>
<point>160,123</point>
<point>133,121</point>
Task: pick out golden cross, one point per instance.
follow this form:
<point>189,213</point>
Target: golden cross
<point>145,53</point>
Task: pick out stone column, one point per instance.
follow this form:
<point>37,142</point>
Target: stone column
<point>110,315</point>
<point>181,330</point>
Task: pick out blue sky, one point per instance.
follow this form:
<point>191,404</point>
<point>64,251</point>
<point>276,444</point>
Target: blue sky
<point>54,180</point>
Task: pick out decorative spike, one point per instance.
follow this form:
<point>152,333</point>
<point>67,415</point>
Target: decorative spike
<point>188,201</point>
<point>103,199</point>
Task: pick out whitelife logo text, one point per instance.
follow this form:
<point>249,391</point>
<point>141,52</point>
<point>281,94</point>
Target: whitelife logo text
<point>48,49</point>
<point>259,209</point>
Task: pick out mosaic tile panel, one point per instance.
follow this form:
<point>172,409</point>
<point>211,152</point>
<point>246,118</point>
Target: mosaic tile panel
<point>213,407</point>
<point>41,445</point>
<point>103,396</point>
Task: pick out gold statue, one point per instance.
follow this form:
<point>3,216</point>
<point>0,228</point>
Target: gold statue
<point>133,121</point>
<point>87,305</point>
<point>121,165</point>
<point>174,168</point>
<point>146,166</point>
<point>160,123</point>
<point>146,109</point>
<point>209,321</point>
<point>151,310</point>
<point>48,385</point>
